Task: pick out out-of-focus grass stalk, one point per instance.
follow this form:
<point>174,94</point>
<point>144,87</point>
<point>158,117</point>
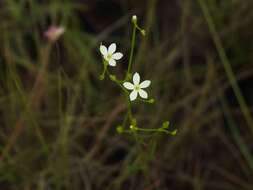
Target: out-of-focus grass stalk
<point>186,11</point>
<point>34,98</point>
<point>226,65</point>
<point>150,20</point>
<point>236,134</point>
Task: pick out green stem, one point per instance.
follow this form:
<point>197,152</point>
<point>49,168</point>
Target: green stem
<point>226,65</point>
<point>129,107</point>
<point>131,52</point>
<point>149,101</point>
<point>153,130</point>
<point>102,76</point>
<point>129,112</point>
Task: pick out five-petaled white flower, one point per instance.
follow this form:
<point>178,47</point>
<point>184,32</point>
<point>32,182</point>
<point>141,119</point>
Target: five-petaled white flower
<point>110,54</point>
<point>137,87</point>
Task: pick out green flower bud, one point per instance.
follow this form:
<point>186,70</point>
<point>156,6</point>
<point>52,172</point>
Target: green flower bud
<point>113,77</point>
<point>143,32</point>
<point>151,101</point>
<point>120,129</point>
<point>174,132</point>
<point>134,19</point>
<point>166,125</point>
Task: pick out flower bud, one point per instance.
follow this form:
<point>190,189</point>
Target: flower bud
<point>132,127</point>
<point>134,19</point>
<point>166,124</point>
<point>120,129</point>
<point>143,32</point>
<point>151,101</point>
<point>101,77</point>
<point>113,77</point>
<point>174,132</point>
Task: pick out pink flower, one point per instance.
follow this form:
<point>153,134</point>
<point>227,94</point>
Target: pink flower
<point>54,32</point>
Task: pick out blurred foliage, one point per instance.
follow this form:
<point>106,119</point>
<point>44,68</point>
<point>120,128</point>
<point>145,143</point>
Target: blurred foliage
<point>58,121</point>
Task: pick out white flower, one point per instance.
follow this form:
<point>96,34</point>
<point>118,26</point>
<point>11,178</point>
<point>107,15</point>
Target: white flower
<point>137,87</point>
<point>110,54</point>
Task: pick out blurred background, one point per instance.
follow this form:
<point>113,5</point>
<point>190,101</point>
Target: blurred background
<point>58,120</point>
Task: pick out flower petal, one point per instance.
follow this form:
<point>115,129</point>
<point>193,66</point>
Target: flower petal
<point>112,48</point>
<point>136,78</point>
<point>103,50</point>
<point>112,62</point>
<point>143,94</point>
<point>128,85</point>
<point>133,95</point>
<point>117,56</point>
<point>145,84</point>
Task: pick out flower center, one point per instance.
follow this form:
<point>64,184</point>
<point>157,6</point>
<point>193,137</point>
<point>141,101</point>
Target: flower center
<point>108,57</point>
<point>137,87</point>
